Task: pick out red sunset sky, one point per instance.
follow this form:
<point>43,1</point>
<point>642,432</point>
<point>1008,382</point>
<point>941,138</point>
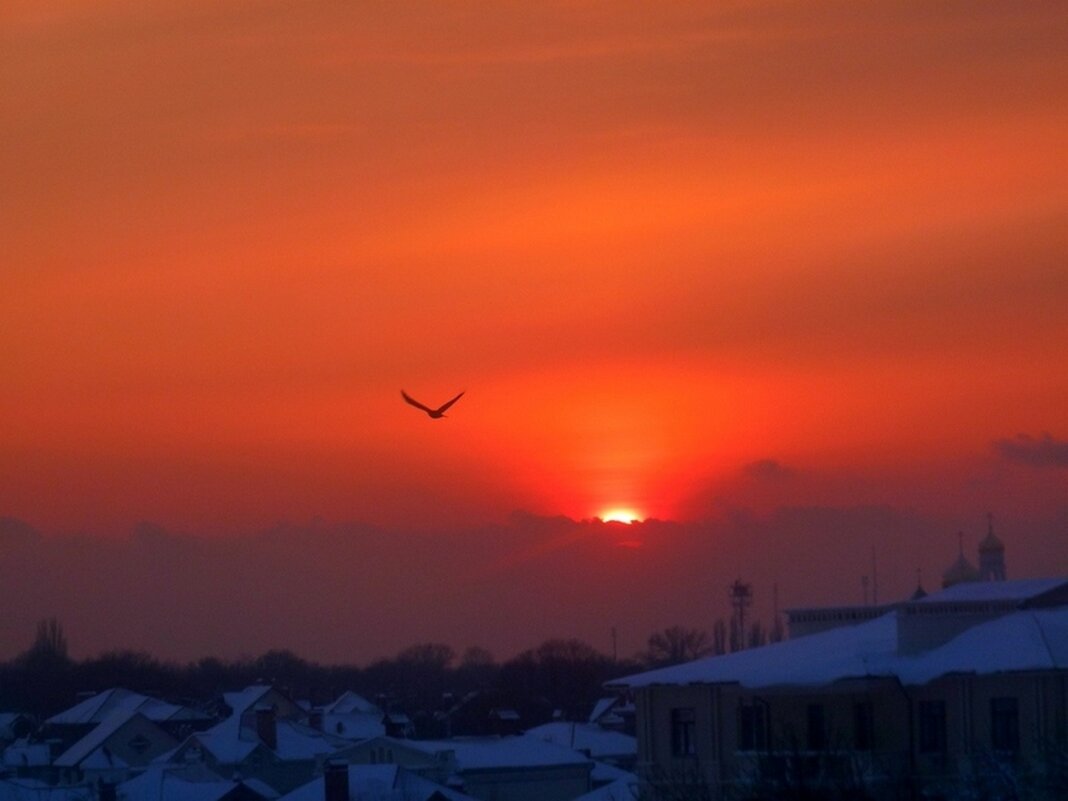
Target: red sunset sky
<point>699,260</point>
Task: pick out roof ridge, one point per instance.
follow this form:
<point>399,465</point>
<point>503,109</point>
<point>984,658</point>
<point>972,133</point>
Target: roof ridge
<point>1042,635</point>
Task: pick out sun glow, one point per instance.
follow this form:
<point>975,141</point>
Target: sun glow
<point>619,515</point>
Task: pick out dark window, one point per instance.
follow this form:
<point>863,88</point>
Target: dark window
<point>1004,724</point>
<point>752,727</point>
<point>932,727</point>
<point>683,726</point>
<point>817,728</point>
<point>863,726</point>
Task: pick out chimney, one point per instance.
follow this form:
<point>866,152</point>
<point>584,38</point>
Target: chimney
<point>336,782</point>
<point>267,726</point>
<point>315,718</point>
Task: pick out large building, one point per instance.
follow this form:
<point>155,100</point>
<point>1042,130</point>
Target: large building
<point>968,685</point>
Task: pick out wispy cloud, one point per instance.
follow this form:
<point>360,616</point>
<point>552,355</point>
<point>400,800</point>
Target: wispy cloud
<point>1044,451</point>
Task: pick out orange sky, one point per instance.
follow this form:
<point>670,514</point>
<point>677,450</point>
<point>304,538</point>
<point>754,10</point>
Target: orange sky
<point>655,243</point>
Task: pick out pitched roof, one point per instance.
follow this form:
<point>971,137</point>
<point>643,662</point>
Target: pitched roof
<point>230,743</point>
<point>1018,641</point>
<point>193,782</point>
<point>1021,641</point>
<point>349,703</point>
<point>492,753</point>
<point>587,737</point>
<point>100,733</point>
<point>1018,590</point>
<point>100,706</point>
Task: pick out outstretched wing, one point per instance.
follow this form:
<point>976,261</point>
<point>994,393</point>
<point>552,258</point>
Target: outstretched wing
<point>445,406</point>
<point>409,399</point>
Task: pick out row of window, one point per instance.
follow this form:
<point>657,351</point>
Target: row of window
<point>1004,726</point>
<point>753,727</point>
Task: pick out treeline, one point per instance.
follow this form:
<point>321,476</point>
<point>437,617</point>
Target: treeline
<point>565,675</point>
<point>423,680</point>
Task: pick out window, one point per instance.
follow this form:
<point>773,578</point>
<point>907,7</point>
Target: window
<point>932,727</point>
<point>863,726</point>
<point>752,727</point>
<point>817,728</point>
<point>683,726</point>
<point>1004,724</point>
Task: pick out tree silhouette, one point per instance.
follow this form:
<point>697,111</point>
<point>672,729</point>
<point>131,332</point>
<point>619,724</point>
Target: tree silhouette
<point>677,644</point>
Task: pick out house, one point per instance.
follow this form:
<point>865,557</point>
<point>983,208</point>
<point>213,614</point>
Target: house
<point>344,782</point>
<point>265,737</point>
<point>27,759</point>
<point>489,768</point>
<point>352,716</point>
<point>77,721</point>
<point>482,713</point>
<point>115,748</point>
<point>969,682</point>
<point>615,713</point>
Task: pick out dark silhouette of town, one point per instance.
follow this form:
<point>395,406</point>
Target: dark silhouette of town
<point>955,694</point>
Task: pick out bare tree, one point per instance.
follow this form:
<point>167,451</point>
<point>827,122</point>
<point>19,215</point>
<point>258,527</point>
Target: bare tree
<point>677,644</point>
<point>757,635</point>
<point>719,637</point>
<point>50,641</point>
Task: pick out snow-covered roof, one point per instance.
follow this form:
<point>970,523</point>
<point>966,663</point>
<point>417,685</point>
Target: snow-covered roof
<point>1018,590</point>
<point>100,706</point>
<point>186,783</point>
<point>379,783</point>
<point>23,753</point>
<point>230,743</point>
<point>354,717</point>
<point>354,726</point>
<point>242,700</point>
<point>587,737</point>
<point>602,707</point>
<point>349,703</point>
<point>1019,641</point>
<point>494,753</point>
<point>84,748</point>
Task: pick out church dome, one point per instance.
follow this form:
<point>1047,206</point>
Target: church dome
<point>991,542</point>
<point>960,571</point>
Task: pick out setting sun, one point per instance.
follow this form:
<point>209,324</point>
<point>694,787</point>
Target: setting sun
<point>619,515</point>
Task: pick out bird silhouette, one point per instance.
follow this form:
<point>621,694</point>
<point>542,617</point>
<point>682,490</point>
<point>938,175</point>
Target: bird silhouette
<point>434,413</point>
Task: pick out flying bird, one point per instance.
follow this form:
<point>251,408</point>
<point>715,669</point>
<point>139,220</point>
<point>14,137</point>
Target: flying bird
<point>434,413</point>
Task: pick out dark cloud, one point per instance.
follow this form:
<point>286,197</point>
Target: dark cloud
<point>17,532</point>
<point>768,470</point>
<point>1044,451</point>
<point>350,592</point>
